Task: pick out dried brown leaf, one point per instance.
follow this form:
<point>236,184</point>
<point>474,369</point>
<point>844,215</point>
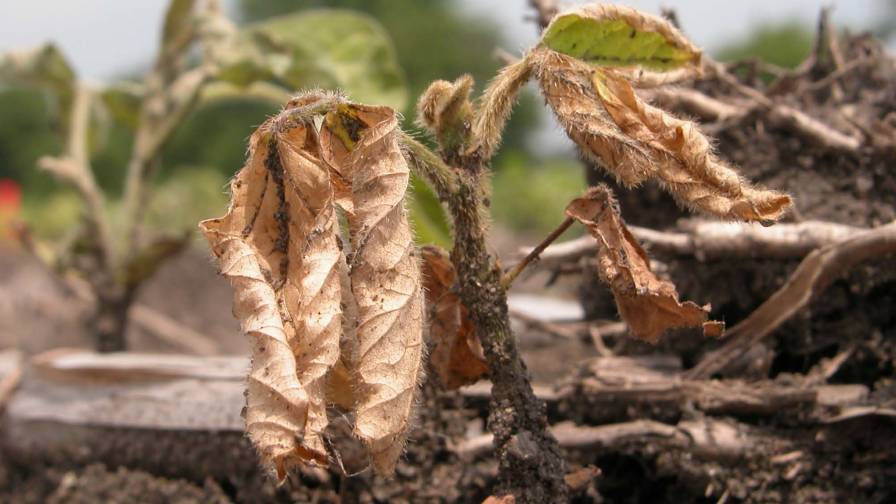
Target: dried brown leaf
<point>457,356</point>
<point>648,304</point>
<point>361,144</point>
<point>278,247</point>
<point>636,142</point>
<point>504,499</point>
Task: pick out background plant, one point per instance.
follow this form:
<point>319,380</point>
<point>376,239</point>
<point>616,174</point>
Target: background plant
<point>203,61</point>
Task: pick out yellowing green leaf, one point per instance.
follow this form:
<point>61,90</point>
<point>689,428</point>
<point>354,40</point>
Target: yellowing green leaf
<point>615,36</point>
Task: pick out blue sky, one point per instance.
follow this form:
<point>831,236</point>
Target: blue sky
<point>105,37</point>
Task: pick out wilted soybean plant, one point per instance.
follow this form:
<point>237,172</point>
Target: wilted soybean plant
<point>333,323</point>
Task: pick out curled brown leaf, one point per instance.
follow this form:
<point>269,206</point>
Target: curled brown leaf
<point>648,304</point>
<point>277,245</point>
<point>361,143</point>
<point>457,356</point>
<point>635,142</point>
<point>312,291</point>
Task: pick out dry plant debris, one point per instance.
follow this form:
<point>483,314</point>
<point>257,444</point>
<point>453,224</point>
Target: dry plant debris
<point>279,244</point>
<point>648,304</point>
<point>457,354</point>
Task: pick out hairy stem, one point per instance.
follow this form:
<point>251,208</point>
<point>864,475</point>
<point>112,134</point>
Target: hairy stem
<point>430,167</point>
<point>495,106</point>
<point>530,464</point>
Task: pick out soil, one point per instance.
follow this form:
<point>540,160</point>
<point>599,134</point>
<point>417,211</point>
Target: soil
<point>795,453</point>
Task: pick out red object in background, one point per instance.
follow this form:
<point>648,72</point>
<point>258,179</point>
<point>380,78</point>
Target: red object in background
<point>10,195</point>
<point>10,208</point>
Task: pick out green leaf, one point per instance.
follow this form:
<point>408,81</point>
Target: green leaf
<point>246,63</point>
<point>332,48</point>
<point>123,101</point>
<point>177,30</point>
<point>427,216</point>
<point>613,36</point>
<point>45,68</point>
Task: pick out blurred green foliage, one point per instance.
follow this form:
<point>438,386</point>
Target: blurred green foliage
<point>534,199</point>
<point>337,48</point>
<point>427,215</point>
<point>435,39</point>
<point>26,133</point>
<point>783,44</point>
<point>177,204</point>
<point>333,47</point>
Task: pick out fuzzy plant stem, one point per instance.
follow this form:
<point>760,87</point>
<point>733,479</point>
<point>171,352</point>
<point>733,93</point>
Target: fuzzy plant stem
<point>531,466</point>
